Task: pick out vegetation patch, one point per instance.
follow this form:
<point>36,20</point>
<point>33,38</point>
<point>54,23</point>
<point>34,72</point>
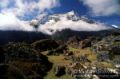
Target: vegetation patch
<point>31,63</point>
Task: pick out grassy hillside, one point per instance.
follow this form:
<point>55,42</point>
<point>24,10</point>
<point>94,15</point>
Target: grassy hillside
<point>42,59</point>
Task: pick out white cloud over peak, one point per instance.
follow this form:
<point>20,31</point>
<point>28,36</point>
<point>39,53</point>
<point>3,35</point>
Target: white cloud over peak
<point>65,24</point>
<point>103,7</point>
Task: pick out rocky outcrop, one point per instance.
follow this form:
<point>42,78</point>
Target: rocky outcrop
<point>57,51</point>
<point>85,43</point>
<point>60,71</point>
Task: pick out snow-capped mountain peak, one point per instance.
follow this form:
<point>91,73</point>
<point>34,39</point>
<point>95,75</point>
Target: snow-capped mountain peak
<point>50,24</point>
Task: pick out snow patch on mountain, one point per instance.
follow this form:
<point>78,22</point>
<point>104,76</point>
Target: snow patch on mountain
<point>115,26</point>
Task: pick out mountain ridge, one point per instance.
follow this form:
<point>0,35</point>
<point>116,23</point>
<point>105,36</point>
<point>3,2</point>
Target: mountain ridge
<point>49,24</point>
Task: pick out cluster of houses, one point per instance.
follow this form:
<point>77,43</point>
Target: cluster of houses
<point>87,71</point>
<point>82,68</point>
<point>106,48</point>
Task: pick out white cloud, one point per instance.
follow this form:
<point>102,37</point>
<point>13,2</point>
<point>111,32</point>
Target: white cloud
<point>48,4</point>
<point>10,22</point>
<point>22,7</point>
<point>103,7</point>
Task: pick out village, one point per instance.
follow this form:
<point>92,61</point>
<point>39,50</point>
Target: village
<point>98,62</point>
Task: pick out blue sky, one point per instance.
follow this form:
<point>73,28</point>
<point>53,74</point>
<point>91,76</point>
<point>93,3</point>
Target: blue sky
<point>106,11</point>
<point>68,5</point>
<point>81,9</point>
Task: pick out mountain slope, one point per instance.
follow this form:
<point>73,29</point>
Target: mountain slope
<point>21,36</point>
<point>68,33</point>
